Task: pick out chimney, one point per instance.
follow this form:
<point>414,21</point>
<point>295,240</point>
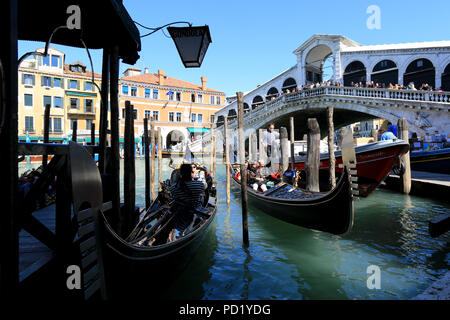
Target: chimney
<point>161,77</point>
<point>145,70</point>
<point>203,83</point>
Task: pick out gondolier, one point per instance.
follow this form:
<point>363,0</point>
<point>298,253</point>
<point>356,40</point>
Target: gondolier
<point>269,138</point>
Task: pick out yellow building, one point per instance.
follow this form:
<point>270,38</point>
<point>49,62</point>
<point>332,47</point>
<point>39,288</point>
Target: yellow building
<point>67,88</point>
<point>182,110</point>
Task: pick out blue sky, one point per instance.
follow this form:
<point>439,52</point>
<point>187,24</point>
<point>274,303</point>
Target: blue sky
<point>253,40</point>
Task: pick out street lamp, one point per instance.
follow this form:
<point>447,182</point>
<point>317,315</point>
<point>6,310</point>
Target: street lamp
<point>192,44</point>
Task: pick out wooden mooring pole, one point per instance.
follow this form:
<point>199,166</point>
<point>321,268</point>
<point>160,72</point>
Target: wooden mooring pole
<point>160,159</point>
<point>292,135</point>
<point>332,168</point>
<point>313,156</point>
<point>405,179</point>
<point>244,199</point>
<point>74,131</point>
<point>103,111</point>
<point>93,134</point>
<point>211,150</point>
<point>285,149</point>
<point>129,174</point>
<point>46,132</point>
<point>227,157</point>
<point>147,164</point>
<point>152,162</point>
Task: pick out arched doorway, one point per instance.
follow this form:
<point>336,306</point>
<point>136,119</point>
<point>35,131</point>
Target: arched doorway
<point>385,72</point>
<point>246,108</point>
<point>354,72</point>
<point>272,93</point>
<point>174,140</point>
<point>315,63</point>
<point>232,115</point>
<point>220,121</point>
<point>289,85</point>
<point>445,85</point>
<point>420,71</point>
<point>257,101</point>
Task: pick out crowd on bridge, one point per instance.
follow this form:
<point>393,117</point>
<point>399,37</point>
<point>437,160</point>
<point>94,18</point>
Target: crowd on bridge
<point>410,86</point>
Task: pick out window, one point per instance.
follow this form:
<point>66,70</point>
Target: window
<point>88,86</point>
<point>192,97</point>
<point>57,102</point>
<point>47,100</point>
<point>170,116</point>
<point>199,117</point>
<point>28,79</point>
<point>193,116</point>
<point>55,61</point>
<point>133,91</point>
<point>57,83</point>
<point>178,96</point>
<point>211,118</point>
<point>217,100</point>
<point>178,116</point>
<point>125,90</point>
<point>29,124</point>
<point>147,93</point>
<point>211,100</point>
<point>200,98</point>
<point>419,63</point>
<point>74,103</point>
<point>72,121</point>
<point>46,81</point>
<point>155,94</point>
<point>46,61</point>
<point>170,95</point>
<point>28,100</point>
<point>147,114</point>
<point>57,124</point>
<point>73,84</point>
<point>156,115</point>
<point>88,105</point>
<point>89,123</point>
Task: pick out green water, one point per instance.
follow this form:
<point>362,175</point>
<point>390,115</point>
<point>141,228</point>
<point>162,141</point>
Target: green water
<point>289,262</point>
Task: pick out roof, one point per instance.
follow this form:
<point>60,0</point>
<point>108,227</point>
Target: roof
<point>327,37</point>
<point>399,46</point>
<point>88,73</point>
<point>113,26</point>
<point>153,78</point>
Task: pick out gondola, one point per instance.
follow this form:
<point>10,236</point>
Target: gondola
<point>323,211</point>
<point>140,267</point>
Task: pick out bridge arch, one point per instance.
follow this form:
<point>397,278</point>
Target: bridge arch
<point>445,78</point>
<point>257,101</point>
<point>289,84</point>
<point>355,72</point>
<point>220,121</point>
<point>420,71</point>
<point>314,62</point>
<point>232,114</point>
<point>385,72</point>
<point>272,93</point>
<point>246,108</point>
<point>174,137</point>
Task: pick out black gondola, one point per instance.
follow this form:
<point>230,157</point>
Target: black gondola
<point>323,211</point>
<point>139,270</point>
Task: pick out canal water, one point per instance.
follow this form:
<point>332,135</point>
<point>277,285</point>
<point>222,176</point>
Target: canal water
<point>287,262</point>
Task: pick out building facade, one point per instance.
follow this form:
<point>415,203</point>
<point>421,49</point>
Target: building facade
<point>181,109</point>
<point>67,88</point>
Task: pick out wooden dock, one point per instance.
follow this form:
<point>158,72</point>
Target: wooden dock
<point>424,184</point>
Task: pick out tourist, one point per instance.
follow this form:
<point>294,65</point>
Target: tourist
<point>392,128</point>
<point>388,135</point>
<point>256,179</point>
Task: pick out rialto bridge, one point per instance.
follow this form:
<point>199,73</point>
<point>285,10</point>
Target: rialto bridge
<point>280,97</point>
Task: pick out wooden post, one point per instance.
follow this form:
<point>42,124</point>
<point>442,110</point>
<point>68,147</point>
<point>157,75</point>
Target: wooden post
<point>46,132</point>
<point>262,150</point>
<point>115,150</point>
<point>103,111</point>
<point>9,241</point>
<point>292,134</point>
<point>152,162</point>
<point>160,159</point>
<point>313,156</point>
<point>129,174</point>
<point>74,130</point>
<point>93,133</point>
<point>227,157</point>
<point>147,164</point>
<point>405,179</point>
<point>332,181</point>
<point>374,134</point>
<point>211,158</point>
<point>244,199</point>
<point>285,148</point>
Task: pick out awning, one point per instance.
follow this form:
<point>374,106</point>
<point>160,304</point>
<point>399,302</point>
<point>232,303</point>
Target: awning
<point>198,130</point>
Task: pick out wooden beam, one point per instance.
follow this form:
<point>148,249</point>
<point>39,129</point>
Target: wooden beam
<point>152,162</point>
<point>93,133</point>
<point>103,110</point>
<point>147,164</point>
<point>332,168</point>
<point>129,174</point>
<point>313,156</point>
<point>74,131</point>
<point>405,179</point>
<point>244,199</point>
<point>160,159</point>
<point>292,136</point>
<point>46,131</point>
<point>227,158</point>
